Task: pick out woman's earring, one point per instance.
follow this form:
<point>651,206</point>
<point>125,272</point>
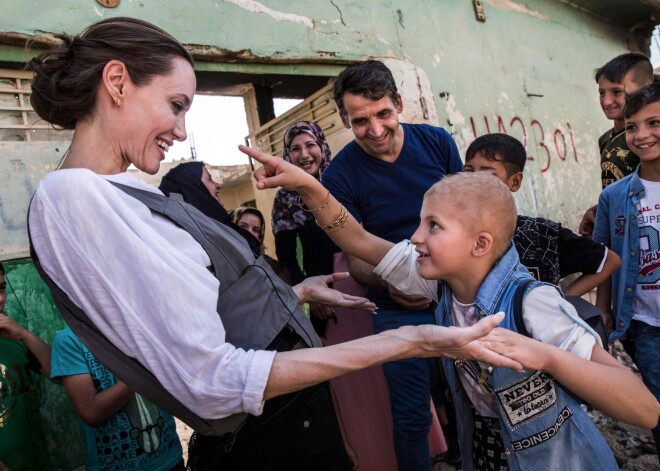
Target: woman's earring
<point>117,102</point>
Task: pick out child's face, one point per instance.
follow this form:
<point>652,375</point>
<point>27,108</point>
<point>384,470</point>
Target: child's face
<point>613,95</point>
<point>3,292</point>
<point>479,162</point>
<point>643,132</point>
<point>441,240</point>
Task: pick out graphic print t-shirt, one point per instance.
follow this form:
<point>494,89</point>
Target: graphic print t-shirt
<point>140,436</point>
<point>616,158</point>
<point>646,305</point>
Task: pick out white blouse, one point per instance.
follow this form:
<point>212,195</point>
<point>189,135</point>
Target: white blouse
<point>144,283</point>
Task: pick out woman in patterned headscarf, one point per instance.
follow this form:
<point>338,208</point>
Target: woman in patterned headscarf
<point>306,147</point>
<point>362,397</point>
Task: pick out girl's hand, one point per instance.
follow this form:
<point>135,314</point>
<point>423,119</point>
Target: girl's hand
<point>276,172</point>
<point>530,353</point>
<point>472,343</point>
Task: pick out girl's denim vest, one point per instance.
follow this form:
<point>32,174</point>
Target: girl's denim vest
<point>542,425</point>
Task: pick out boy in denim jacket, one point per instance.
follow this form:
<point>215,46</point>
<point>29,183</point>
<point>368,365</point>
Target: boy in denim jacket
<point>628,220</point>
<point>464,240</point>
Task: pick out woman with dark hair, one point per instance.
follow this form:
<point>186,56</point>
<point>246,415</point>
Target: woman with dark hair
<point>149,280</point>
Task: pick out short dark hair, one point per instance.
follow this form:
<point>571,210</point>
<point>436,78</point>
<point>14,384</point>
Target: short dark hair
<point>67,77</point>
<point>370,79</point>
<point>616,69</point>
<point>498,147</point>
<point>2,269</point>
<point>641,98</point>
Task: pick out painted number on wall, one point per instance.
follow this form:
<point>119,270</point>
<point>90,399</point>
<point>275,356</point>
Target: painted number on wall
<point>551,145</point>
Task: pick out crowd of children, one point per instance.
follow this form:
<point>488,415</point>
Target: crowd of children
<point>462,258</point>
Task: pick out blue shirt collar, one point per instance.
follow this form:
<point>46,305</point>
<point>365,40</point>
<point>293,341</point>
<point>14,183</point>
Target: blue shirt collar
<point>496,283</point>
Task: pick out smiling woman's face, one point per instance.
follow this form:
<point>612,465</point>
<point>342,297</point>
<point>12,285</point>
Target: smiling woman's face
<point>153,116</point>
<point>210,184</point>
<point>305,153</point>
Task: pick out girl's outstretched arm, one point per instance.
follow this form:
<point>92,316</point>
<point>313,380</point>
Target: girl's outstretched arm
<point>335,220</point>
<point>602,381</point>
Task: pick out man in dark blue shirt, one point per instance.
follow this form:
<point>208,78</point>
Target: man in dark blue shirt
<point>381,178</point>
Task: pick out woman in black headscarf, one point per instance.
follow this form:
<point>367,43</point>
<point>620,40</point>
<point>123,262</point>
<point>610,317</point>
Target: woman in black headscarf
<point>194,182</point>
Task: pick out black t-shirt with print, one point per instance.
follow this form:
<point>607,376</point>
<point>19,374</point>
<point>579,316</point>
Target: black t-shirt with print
<point>616,158</point>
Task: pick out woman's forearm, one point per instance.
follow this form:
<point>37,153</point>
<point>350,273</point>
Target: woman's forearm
<point>298,369</point>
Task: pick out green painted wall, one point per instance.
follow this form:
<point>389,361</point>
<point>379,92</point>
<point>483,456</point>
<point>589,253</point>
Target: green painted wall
<point>528,67</point>
<point>30,304</point>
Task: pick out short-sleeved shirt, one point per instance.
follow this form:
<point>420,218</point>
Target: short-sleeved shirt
<point>579,254</point>
<point>616,158</point>
<point>22,442</point>
<point>551,252</point>
<point>140,436</point>
<point>386,197</point>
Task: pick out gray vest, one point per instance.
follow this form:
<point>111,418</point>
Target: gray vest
<point>254,304</point>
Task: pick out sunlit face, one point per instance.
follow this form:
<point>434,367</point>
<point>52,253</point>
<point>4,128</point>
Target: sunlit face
<point>643,133</point>
<point>479,162</point>
<point>443,243</point>
<point>3,292</point>
<point>210,184</point>
<point>252,224</point>
<point>613,95</point>
<point>375,124</point>
<point>305,153</point>
<point>153,116</point>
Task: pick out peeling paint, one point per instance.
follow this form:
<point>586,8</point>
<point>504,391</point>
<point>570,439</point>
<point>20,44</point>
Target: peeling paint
<point>455,116</point>
<point>513,6</point>
<point>256,7</point>
<point>382,40</point>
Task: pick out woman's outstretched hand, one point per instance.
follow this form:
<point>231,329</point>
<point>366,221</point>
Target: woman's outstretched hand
<point>276,172</point>
<point>315,289</point>
<point>461,342</point>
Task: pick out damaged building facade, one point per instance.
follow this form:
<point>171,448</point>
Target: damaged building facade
<point>474,67</point>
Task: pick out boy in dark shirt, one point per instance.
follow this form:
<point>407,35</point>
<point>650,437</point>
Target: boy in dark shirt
<point>548,250</point>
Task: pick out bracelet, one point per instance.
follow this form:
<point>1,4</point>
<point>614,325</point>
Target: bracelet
<point>338,223</point>
<point>302,206</point>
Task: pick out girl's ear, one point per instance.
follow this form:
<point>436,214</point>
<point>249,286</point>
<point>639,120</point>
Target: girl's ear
<point>114,78</point>
<point>483,244</point>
